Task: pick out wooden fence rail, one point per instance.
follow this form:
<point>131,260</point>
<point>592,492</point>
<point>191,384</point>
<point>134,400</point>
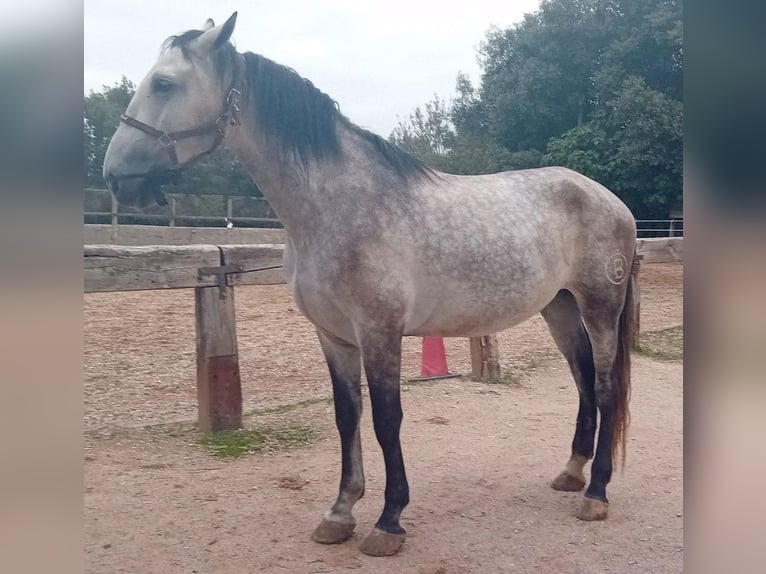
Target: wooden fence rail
<point>170,216</point>
<point>649,228</point>
<point>213,271</point>
<point>121,268</point>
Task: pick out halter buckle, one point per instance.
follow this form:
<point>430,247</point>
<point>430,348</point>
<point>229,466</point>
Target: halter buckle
<point>232,103</point>
<point>166,140</point>
<point>233,97</point>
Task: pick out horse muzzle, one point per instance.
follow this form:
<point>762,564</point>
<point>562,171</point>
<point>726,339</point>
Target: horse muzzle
<point>141,190</point>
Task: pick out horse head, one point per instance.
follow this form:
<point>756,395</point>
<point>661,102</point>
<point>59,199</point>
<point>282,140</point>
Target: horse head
<point>179,112</point>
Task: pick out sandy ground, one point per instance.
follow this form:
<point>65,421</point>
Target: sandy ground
<point>155,501</point>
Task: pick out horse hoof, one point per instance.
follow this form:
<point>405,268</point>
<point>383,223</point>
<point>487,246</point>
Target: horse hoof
<point>330,532</point>
<point>380,543</point>
<point>592,509</point>
<point>568,482</point>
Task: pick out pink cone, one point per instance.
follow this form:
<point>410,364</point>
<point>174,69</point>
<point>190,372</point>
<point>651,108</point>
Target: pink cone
<point>434,362</point>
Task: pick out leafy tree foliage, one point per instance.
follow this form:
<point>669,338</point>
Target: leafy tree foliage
<point>428,133</point>
<point>595,85</point>
<point>636,145</point>
<point>102,115</point>
<point>431,135</point>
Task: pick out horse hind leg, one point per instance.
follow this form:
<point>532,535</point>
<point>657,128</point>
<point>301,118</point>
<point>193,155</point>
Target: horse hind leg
<point>607,318</point>
<point>344,362</point>
<point>565,324</point>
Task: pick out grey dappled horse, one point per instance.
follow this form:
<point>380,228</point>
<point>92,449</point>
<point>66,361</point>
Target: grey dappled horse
<point>380,246</point>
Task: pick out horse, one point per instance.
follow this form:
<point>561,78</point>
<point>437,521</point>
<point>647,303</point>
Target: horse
<point>380,246</point>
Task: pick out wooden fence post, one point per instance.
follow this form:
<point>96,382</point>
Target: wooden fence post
<point>485,357</point>
<point>219,390</point>
<point>476,359</point>
<point>636,325</point>
<point>493,357</point>
<point>115,222</point>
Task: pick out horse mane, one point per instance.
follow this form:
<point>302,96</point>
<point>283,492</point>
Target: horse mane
<point>291,110</point>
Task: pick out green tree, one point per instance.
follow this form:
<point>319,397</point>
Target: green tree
<point>428,133</point>
<point>595,85</point>
<point>431,136</point>
<point>635,147</point>
<point>475,151</point>
<point>102,116</point>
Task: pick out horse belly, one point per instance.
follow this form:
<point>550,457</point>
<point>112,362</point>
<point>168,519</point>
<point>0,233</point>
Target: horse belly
<point>468,326</point>
<point>474,313</point>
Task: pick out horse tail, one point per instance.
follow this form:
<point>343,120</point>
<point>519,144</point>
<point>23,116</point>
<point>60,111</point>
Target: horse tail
<point>622,371</point>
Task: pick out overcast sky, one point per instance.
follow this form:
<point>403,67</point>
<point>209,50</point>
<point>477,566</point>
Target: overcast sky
<point>379,60</point>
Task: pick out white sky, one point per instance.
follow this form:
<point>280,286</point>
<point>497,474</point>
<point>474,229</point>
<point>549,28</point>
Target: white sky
<point>379,60</point>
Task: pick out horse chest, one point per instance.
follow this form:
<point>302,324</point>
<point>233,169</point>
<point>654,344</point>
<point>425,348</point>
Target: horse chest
<point>317,300</point>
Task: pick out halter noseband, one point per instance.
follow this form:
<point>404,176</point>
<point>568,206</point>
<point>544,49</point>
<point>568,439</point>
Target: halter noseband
<point>229,116</point>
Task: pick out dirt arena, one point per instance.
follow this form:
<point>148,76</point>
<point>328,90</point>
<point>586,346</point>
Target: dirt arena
<point>479,456</point>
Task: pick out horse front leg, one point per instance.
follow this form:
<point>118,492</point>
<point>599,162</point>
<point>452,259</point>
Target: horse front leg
<point>382,363</point>
<point>344,363</point>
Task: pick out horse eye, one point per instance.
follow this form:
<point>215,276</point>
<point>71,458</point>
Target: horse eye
<point>161,85</point>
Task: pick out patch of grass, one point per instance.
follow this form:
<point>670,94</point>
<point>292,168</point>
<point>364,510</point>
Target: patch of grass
<point>237,443</point>
<point>289,406</point>
<point>508,378</point>
<point>663,345</point>
<point>296,436</point>
<point>515,371</point>
<point>419,382</point>
<point>513,377</point>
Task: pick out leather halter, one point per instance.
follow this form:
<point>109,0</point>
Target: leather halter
<point>229,116</point>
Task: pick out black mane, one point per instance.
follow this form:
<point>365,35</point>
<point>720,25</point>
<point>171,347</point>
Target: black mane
<point>291,110</point>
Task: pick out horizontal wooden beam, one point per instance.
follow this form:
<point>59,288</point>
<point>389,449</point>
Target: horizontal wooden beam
<point>133,235</point>
<point>123,268</point>
<point>661,249</point>
<point>119,268</point>
<point>255,261</point>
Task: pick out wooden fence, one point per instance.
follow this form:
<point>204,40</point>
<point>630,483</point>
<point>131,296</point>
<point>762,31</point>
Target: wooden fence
<point>168,215</point>
<point>213,272</point>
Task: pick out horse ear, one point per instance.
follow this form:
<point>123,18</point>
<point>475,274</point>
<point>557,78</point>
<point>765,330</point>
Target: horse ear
<point>217,36</point>
<point>208,25</point>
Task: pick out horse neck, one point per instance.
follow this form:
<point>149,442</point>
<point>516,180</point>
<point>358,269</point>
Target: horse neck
<point>308,199</point>
<point>282,181</point>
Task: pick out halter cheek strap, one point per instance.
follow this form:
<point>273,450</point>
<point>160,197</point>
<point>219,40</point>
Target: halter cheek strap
<point>229,116</point>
